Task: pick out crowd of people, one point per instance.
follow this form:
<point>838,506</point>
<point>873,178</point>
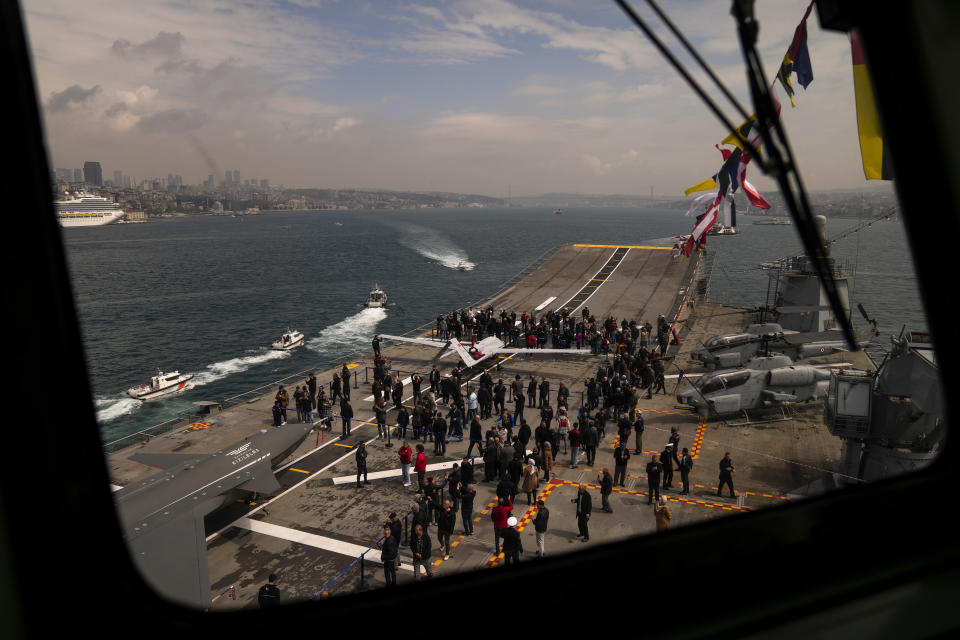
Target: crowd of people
<point>519,445</point>
<point>558,329</point>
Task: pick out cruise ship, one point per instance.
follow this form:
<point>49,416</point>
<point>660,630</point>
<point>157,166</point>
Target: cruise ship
<point>87,210</point>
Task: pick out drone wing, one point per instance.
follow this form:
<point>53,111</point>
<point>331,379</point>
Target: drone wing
<point>430,342</point>
<point>570,352</point>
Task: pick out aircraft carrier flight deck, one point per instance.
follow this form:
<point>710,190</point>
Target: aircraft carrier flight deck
<point>311,530</point>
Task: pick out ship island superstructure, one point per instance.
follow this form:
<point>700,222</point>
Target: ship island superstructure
<point>87,210</point>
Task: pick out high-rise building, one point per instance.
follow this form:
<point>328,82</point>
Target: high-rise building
<point>227,177</point>
<point>118,178</point>
<point>264,184</point>
<point>78,175</point>
<point>236,177</point>
<point>210,181</point>
<point>92,173</point>
<point>64,174</point>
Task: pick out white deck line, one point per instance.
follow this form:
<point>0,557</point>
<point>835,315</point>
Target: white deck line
<point>312,475</point>
<point>392,473</point>
<point>545,303</point>
<point>606,280</point>
<point>263,505</point>
<point>312,540</point>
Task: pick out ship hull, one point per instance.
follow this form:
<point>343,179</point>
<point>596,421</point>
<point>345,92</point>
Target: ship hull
<point>87,220</point>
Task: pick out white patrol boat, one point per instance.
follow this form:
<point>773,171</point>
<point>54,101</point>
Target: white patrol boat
<point>160,385</point>
<point>289,340</point>
<point>377,298</point>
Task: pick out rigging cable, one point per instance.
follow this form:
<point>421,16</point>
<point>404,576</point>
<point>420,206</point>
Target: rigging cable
<point>665,52</point>
<point>780,164</point>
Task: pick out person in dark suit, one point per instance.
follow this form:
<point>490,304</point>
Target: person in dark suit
<point>726,475</point>
<point>584,507</point>
<point>654,470</point>
<point>346,412</point>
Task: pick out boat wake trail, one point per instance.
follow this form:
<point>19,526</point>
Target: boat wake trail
<point>435,246</point>
<point>220,370</point>
<point>349,334</point>
<point>112,407</point>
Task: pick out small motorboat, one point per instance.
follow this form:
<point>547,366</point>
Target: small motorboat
<point>377,298</point>
<point>720,230</point>
<point>160,385</point>
<point>558,212</point>
<point>289,340</point>
<point>462,266</point>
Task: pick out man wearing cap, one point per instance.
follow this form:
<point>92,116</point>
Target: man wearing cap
<point>512,544</point>
<point>584,507</point>
<point>395,524</point>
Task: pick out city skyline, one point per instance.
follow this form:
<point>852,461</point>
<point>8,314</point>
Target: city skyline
<point>460,97</point>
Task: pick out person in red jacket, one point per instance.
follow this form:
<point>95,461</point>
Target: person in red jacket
<point>499,515</point>
<point>421,466</point>
<point>406,455</point>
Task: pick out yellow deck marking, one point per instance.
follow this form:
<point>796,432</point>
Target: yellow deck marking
<point>439,561</point>
<point>298,470</point>
<point>623,246</point>
<point>524,520</point>
<point>698,439</point>
<point>599,279</point>
<point>348,446</point>
<point>703,486</point>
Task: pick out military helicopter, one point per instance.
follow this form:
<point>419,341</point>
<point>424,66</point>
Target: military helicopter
<point>737,349</point>
<point>771,381</point>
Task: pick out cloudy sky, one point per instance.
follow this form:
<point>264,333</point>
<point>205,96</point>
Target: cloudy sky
<point>472,96</point>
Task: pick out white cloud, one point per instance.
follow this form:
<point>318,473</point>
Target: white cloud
<point>463,95</point>
<point>597,165</point>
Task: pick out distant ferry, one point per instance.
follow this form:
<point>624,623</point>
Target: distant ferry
<point>773,221</point>
<point>87,210</point>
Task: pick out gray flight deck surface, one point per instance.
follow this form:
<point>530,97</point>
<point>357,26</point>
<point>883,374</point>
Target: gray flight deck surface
<point>312,529</point>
